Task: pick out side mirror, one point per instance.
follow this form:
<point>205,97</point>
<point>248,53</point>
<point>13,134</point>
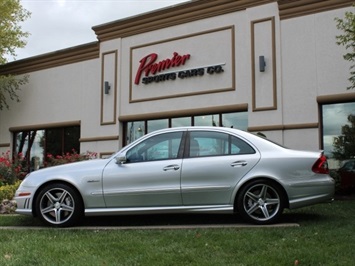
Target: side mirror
<point>121,159</point>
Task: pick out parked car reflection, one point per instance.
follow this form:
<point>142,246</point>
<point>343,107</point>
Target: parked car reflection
<point>347,176</point>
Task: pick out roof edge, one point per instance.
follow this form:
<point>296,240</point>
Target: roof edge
<point>171,16</point>
<point>53,59</point>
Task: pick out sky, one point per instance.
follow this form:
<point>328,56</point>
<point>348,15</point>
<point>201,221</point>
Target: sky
<point>60,24</point>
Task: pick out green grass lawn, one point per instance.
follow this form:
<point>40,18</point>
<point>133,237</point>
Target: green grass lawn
<point>326,236</point>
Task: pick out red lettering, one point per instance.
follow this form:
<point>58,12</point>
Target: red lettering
<point>148,65</point>
<point>143,65</point>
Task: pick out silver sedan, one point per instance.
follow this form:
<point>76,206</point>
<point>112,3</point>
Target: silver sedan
<point>180,170</point>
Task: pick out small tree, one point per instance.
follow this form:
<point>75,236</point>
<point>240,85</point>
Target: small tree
<point>344,145</point>
<point>347,39</point>
<point>11,37</point>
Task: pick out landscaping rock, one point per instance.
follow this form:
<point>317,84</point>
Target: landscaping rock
<point>8,206</point>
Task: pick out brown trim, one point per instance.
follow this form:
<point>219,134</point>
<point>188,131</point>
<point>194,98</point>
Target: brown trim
<point>336,98</point>
<point>186,112</point>
<point>273,50</point>
<point>172,16</point>
<point>232,32</point>
<point>182,95</point>
<point>296,8</point>
<point>45,126</point>
<point>58,58</point>
<point>106,138</point>
<point>5,145</point>
<point>283,127</point>
<point>113,121</point>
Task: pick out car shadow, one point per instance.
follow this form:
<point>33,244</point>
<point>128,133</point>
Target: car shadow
<point>214,220</point>
<point>161,220</point>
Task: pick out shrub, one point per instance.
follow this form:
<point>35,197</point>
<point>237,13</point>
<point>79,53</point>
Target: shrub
<point>11,169</point>
<point>8,191</point>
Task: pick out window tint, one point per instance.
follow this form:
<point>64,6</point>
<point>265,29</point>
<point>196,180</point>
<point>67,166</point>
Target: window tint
<point>160,147</point>
<point>216,144</point>
<point>239,146</point>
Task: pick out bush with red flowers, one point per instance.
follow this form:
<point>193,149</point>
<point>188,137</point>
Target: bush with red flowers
<point>11,169</point>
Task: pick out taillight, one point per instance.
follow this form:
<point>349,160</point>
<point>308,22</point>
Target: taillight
<point>321,165</point>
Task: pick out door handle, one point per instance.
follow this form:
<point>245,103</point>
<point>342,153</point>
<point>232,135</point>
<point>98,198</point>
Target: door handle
<point>174,167</point>
<point>239,164</point>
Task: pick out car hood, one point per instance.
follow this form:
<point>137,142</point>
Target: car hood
<point>83,168</point>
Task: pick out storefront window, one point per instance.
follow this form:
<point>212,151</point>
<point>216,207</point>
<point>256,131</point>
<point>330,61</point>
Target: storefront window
<point>207,120</point>
<point>31,145</point>
<point>235,120</point>
<point>339,133</point>
<point>36,144</point>
<point>154,125</point>
<point>181,122</point>
<point>136,129</point>
<point>339,143</point>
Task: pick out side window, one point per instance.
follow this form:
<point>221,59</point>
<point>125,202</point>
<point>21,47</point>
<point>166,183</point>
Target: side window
<point>160,147</point>
<point>216,144</point>
<point>208,144</point>
<point>349,166</point>
<point>239,146</point>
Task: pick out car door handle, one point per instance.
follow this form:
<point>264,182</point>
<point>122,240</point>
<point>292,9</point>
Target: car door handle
<point>174,167</point>
<point>239,163</point>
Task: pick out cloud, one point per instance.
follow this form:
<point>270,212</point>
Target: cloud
<point>60,24</point>
<point>335,116</point>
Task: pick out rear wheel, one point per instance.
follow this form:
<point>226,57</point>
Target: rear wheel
<point>59,205</point>
<point>260,202</point>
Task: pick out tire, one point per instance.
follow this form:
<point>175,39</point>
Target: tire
<point>260,202</point>
<point>59,205</point>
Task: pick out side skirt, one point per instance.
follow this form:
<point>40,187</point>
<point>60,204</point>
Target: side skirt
<point>154,210</point>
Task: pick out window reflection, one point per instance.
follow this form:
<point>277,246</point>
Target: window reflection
<point>36,144</point>
<point>181,122</point>
<point>154,125</point>
<point>31,145</point>
<point>136,129</point>
<point>207,120</point>
<point>338,132</point>
<point>235,120</point>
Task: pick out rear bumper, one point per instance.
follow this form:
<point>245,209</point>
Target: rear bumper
<point>312,192</point>
<point>302,202</point>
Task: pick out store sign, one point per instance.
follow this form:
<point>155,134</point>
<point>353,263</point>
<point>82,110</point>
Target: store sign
<point>149,70</point>
<point>195,64</point>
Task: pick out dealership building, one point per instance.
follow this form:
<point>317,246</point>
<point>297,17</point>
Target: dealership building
<point>258,65</point>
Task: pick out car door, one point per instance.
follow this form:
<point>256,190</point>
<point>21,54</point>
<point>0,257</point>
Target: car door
<point>213,164</point>
<point>150,175</point>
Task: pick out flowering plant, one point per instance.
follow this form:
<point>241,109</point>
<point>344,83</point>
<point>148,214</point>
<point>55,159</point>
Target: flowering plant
<point>69,158</point>
<point>12,169</point>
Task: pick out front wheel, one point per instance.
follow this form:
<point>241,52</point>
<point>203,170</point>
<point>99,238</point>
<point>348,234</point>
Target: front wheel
<point>260,202</point>
<point>59,205</point>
